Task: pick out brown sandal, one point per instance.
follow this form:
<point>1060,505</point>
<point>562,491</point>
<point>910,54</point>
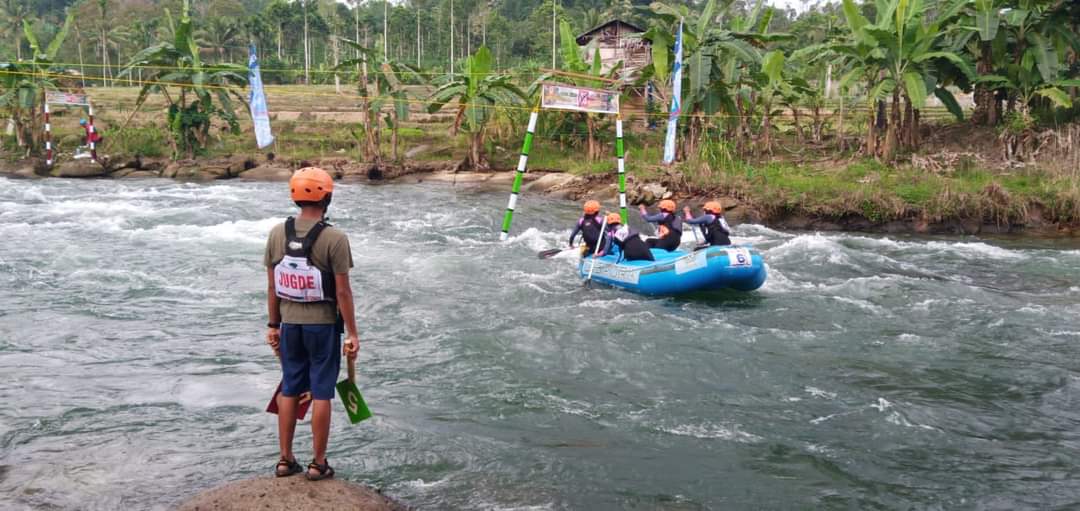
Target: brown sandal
<point>287,468</point>
<point>325,472</point>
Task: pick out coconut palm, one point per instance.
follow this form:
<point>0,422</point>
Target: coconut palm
<point>219,35</point>
<point>12,14</point>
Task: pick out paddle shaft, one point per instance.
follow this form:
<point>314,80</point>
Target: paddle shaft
<point>351,363</point>
<point>603,226</point>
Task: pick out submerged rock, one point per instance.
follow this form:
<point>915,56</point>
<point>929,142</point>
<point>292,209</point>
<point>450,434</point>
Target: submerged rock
<point>287,493</point>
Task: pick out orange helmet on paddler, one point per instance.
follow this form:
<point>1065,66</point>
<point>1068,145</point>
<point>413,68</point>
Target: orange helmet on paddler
<point>614,219</point>
<point>667,205</point>
<point>713,207</point>
<point>311,185</point>
<point>591,207</point>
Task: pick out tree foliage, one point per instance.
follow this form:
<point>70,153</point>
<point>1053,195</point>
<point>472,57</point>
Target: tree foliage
<point>199,92</point>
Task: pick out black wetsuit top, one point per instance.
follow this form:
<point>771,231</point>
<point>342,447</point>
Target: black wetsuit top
<point>672,223</point>
<point>715,228</point>
<point>630,245</point>
<point>589,227</point>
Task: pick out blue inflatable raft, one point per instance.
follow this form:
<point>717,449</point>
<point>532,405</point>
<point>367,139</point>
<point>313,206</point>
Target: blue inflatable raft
<point>731,267</point>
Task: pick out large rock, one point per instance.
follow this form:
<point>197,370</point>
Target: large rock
<point>547,183</point>
<point>137,174</point>
<point>189,170</point>
<point>267,172</point>
<point>78,168</point>
<point>648,193</point>
<point>26,172</point>
<point>288,493</point>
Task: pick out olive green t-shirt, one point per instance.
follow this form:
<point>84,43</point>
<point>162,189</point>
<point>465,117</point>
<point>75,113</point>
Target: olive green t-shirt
<point>330,252</point>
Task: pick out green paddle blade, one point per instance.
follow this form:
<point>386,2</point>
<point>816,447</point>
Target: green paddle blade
<point>354,403</point>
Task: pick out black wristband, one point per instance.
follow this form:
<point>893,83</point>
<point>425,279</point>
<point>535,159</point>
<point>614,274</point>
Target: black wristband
<point>273,325</point>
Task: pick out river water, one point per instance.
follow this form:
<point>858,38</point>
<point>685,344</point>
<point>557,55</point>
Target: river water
<point>869,372</point>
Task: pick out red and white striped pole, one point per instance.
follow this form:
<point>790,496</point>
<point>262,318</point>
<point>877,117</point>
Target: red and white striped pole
<point>92,131</point>
<point>48,138</point>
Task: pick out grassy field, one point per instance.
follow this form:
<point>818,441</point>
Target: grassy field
<point>316,122</point>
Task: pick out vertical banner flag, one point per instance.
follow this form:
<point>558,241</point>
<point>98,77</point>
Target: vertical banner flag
<point>676,100</point>
<point>260,116</point>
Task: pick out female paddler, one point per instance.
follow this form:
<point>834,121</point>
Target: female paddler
<point>589,227</point>
<point>668,226</point>
<point>624,242</point>
<point>712,223</point>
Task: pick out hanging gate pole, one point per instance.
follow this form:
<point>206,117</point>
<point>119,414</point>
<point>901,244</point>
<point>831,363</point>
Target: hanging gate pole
<point>93,130</point>
<point>48,137</point>
<point>622,167</point>
<point>522,161</point>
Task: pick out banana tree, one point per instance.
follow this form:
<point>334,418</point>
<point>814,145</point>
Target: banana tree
<point>776,86</point>
<point>900,57</point>
<point>718,61</point>
<point>572,61</point>
<point>389,81</point>
<point>478,91</point>
<point>1031,39</point>
<point>176,65</point>
<point>986,18</point>
<point>23,85</point>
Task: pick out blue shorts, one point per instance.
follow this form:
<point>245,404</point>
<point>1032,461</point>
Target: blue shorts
<point>310,360</point>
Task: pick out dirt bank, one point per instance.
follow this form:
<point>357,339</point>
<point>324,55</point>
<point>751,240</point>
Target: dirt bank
<point>557,184</point>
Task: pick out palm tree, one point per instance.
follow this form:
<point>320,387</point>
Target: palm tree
<point>11,23</point>
<point>477,91</point>
<point>219,35</point>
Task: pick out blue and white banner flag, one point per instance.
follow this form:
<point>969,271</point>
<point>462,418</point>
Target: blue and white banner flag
<point>676,101</point>
<point>260,116</point>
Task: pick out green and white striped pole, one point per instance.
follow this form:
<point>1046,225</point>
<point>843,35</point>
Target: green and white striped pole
<point>622,167</point>
<point>520,174</point>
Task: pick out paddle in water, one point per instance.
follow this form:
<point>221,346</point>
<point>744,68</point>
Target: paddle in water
<point>354,403</point>
<point>551,253</point>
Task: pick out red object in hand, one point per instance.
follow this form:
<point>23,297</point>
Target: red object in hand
<point>301,407</point>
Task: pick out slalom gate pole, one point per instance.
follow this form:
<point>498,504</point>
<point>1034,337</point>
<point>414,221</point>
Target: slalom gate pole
<point>48,137</point>
<point>92,131</point>
<point>622,167</point>
<point>522,161</point>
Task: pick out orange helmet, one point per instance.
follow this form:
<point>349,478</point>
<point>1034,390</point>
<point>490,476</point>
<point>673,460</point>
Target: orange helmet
<point>614,218</point>
<point>667,205</point>
<point>713,207</point>
<point>310,184</point>
<point>592,207</point>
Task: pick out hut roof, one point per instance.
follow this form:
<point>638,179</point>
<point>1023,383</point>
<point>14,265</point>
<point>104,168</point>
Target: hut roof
<point>586,36</point>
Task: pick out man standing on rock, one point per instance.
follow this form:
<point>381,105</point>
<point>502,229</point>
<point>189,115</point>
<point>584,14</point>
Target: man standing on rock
<point>309,300</point>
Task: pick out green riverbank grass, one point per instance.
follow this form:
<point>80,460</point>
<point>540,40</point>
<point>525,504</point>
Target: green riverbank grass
<point>800,179</point>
